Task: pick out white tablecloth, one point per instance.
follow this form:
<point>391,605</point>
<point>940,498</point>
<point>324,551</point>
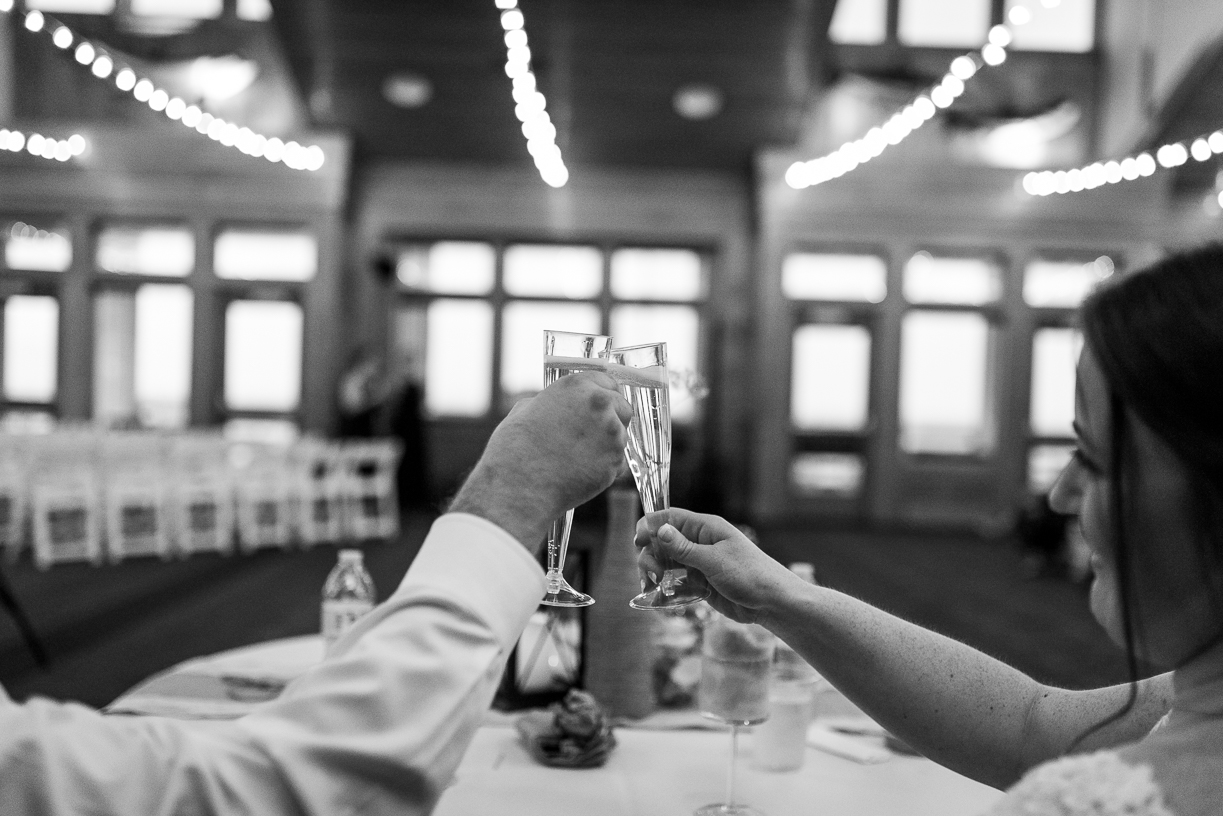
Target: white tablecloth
<point>671,773</point>
<point>667,769</point>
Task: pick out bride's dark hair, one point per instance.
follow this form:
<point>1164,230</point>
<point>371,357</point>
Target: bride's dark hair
<point>1158,337</point>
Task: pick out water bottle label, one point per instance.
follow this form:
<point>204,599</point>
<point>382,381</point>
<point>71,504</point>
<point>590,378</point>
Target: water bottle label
<point>339,616</point>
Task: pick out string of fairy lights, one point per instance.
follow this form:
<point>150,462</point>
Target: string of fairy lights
<point>104,66</point>
<point>530,107</point>
<point>904,122</point>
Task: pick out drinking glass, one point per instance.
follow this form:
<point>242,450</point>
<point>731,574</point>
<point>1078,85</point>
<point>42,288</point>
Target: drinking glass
<point>641,372</point>
<point>568,353</point>
<point>736,660</point>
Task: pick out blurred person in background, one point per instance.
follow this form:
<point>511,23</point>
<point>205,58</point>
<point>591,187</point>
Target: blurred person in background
<point>380,726</point>
<point>1146,486</point>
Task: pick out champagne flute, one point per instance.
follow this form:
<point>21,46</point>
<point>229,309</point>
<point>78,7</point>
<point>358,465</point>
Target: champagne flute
<point>568,353</point>
<point>736,661</point>
<point>641,372</point>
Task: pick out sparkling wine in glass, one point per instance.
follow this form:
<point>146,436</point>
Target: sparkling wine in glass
<point>641,372</point>
<point>568,353</point>
<point>736,662</point>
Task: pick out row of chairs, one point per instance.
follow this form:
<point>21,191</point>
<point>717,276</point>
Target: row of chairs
<point>84,495</point>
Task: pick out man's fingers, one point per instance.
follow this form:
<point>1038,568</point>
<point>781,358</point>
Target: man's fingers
<point>673,543</point>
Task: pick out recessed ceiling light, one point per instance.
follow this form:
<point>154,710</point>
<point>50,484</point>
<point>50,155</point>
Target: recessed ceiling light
<point>698,101</point>
<point>407,90</point>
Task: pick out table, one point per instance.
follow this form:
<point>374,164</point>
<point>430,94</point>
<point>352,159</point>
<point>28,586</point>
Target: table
<point>667,770</point>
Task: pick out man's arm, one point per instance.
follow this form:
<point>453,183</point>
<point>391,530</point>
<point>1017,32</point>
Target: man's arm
<point>953,703</point>
<point>379,727</point>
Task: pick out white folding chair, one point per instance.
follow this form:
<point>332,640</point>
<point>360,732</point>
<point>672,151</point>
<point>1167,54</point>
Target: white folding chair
<point>66,506</point>
<point>319,497</point>
<point>201,494</point>
<point>371,510</point>
<point>263,495</point>
<point>134,494</point>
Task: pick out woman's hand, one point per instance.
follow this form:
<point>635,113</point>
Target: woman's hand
<point>745,582</point>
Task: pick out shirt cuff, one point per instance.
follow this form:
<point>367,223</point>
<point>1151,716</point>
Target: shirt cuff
<point>482,567</point>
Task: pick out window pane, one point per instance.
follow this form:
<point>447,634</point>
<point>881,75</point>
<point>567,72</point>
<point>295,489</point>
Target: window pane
<point>27,247</point>
<point>945,400</point>
<point>943,23</point>
<point>1045,464</point>
<point>190,9</point>
<point>827,474</point>
<point>73,6</point>
<point>832,276</point>
<point>968,281</point>
<point>1068,25</point>
<point>522,339</point>
<point>266,256</point>
<point>164,319</point>
<point>448,267</point>
<point>656,274</point>
<point>459,358</point>
<point>409,341</point>
<point>830,378</point>
<point>256,10</point>
<point>679,328</point>
<point>263,355</point>
<point>114,354</point>
<point>1063,284</point>
<point>1055,352</point>
<point>553,271</point>
<point>168,251</point>
<point>859,22</point>
<point>31,343</point>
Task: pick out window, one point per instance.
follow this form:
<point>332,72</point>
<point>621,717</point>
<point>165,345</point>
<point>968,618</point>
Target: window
<point>830,378</point>
<point>678,327</point>
<point>827,474</point>
<point>257,255</point>
<point>1068,25</point>
<point>656,274</point>
<point>263,356</point>
<point>1055,353</point>
<point>189,9</point>
<point>1063,284</point>
<point>961,281</point>
<point>1045,465</point>
<point>573,272</point>
<point>459,357</point>
<point>142,356</point>
<point>156,251</point>
<point>522,339</point>
<point>72,6</point>
<point>31,343</point>
<point>946,384</point>
<point>448,268</point>
<point>472,315</point>
<point>835,277</point>
<point>944,23</point>
<point>29,248</point>
<point>859,22</point>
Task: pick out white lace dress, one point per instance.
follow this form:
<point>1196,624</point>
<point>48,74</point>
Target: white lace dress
<point>1099,784</point>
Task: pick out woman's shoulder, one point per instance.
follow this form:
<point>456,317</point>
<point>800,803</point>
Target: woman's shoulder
<point>1097,784</point>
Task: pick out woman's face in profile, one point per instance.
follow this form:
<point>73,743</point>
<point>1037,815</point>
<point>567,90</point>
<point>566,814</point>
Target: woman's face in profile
<point>1176,596</point>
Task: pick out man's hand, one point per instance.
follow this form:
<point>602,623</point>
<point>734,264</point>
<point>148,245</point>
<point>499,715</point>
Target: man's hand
<point>743,579</point>
<point>553,452</point>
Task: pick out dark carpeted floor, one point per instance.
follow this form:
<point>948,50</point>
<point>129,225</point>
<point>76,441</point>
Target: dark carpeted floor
<point>109,627</point>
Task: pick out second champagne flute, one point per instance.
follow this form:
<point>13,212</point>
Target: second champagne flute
<point>641,372</point>
<point>568,353</point>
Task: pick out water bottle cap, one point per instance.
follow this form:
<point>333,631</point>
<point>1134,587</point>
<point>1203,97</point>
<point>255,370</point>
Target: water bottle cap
<point>350,556</point>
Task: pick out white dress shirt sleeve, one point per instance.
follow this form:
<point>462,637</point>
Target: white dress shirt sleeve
<point>378,728</point>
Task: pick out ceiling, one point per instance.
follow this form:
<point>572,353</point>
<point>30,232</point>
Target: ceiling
<point>608,69</point>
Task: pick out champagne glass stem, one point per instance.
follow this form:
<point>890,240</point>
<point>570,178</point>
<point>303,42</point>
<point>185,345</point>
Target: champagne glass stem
<point>734,762</point>
<point>558,544</point>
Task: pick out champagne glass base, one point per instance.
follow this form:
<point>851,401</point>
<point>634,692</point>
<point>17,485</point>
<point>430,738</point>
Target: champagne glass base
<point>684,594</point>
<point>566,595</point>
<point>727,810</point>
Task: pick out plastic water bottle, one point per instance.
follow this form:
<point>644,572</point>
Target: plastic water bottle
<point>348,594</point>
